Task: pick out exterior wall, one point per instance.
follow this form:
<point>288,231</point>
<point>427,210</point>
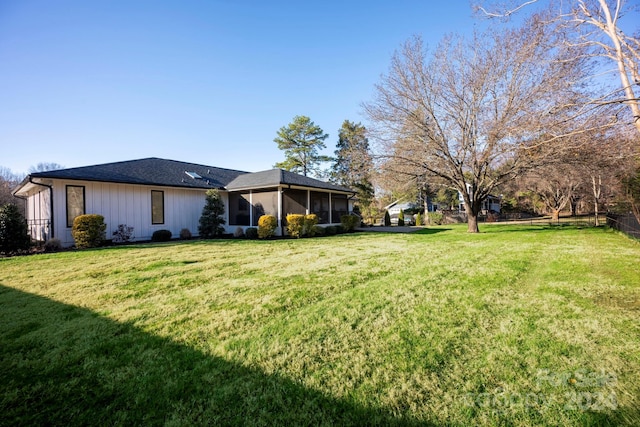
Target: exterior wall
<point>131,205</point>
<point>38,214</point>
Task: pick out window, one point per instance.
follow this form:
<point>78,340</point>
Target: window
<point>75,203</point>
<point>157,207</point>
<point>320,206</point>
<point>238,209</point>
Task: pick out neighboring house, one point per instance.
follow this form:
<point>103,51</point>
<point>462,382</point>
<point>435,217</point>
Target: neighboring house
<point>490,204</point>
<point>153,194</point>
<point>394,210</point>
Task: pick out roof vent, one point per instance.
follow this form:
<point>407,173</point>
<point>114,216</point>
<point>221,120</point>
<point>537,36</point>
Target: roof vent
<point>193,175</point>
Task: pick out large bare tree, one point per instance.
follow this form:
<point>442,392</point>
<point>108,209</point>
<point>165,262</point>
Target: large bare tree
<point>476,113</point>
<point>596,25</point>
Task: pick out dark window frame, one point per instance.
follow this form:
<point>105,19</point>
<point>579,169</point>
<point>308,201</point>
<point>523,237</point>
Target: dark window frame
<point>84,203</point>
<point>153,219</point>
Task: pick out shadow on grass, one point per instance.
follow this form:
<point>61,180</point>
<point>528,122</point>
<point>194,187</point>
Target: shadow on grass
<point>432,230</point>
<point>65,365</point>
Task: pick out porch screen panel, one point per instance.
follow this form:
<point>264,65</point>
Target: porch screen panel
<point>265,203</point>
<point>75,203</point>
<point>157,207</point>
<point>239,209</point>
<point>339,206</point>
<point>320,206</point>
<point>295,202</point>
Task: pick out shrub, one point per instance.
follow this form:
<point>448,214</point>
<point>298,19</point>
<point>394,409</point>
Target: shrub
<point>88,231</point>
<point>251,233</point>
<point>123,234</point>
<point>349,222</point>
<point>295,225</point>
<point>53,245</point>
<point>211,221</point>
<point>267,226</point>
<point>185,234</point>
<point>161,236</point>
<point>435,218</point>
<point>310,221</point>
<point>401,218</point>
<point>239,233</point>
<point>419,219</point>
<point>340,229</point>
<point>13,229</point>
<point>331,230</point>
<point>318,231</point>
<point>387,219</point>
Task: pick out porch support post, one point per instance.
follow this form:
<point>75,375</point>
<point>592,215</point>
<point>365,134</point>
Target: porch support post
<point>330,208</point>
<point>250,208</point>
<point>308,202</point>
<point>280,210</point>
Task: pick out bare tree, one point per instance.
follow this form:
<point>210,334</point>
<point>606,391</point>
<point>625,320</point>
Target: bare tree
<point>476,113</point>
<point>595,25</point>
<point>44,167</point>
<point>555,185</point>
<point>8,180</point>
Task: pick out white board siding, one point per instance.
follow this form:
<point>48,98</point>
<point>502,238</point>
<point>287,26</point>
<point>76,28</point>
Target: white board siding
<point>131,205</point>
<point>38,215</point>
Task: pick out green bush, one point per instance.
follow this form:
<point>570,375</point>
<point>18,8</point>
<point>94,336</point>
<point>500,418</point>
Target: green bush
<point>350,222</point>
<point>251,233</point>
<point>418,218</point>
<point>318,231</point>
<point>13,229</point>
<point>435,218</point>
<point>267,225</point>
<point>161,236</point>
<point>88,231</point>
<point>387,219</point>
<point>331,230</point>
<point>340,229</point>
<point>310,221</point>
<point>401,218</point>
<point>295,225</point>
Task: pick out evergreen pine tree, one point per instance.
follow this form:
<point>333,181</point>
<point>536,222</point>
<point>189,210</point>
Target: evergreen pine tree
<point>13,229</point>
<point>211,221</point>
<point>387,219</point>
<point>401,218</point>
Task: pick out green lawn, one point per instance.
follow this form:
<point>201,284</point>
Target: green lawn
<point>518,325</point>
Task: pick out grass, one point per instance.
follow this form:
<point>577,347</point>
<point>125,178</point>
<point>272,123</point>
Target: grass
<point>518,325</point>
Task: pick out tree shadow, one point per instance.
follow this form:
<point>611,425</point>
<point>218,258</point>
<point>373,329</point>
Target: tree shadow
<point>66,365</point>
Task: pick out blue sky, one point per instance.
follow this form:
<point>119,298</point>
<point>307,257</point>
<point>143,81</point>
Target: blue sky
<point>211,82</point>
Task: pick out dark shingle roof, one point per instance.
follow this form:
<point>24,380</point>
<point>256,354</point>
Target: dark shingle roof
<point>171,173</point>
<point>150,171</point>
<point>275,177</point>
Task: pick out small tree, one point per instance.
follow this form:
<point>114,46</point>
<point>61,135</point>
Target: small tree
<point>387,219</point>
<point>401,218</point>
<point>419,219</point>
<point>211,221</point>
<point>13,229</point>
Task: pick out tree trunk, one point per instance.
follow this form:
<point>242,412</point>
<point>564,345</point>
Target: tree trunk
<point>611,30</point>
<point>555,215</point>
<point>597,188</point>
<point>472,223</point>
<point>472,210</point>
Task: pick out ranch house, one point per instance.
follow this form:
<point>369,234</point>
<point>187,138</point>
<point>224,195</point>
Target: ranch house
<point>153,194</point>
